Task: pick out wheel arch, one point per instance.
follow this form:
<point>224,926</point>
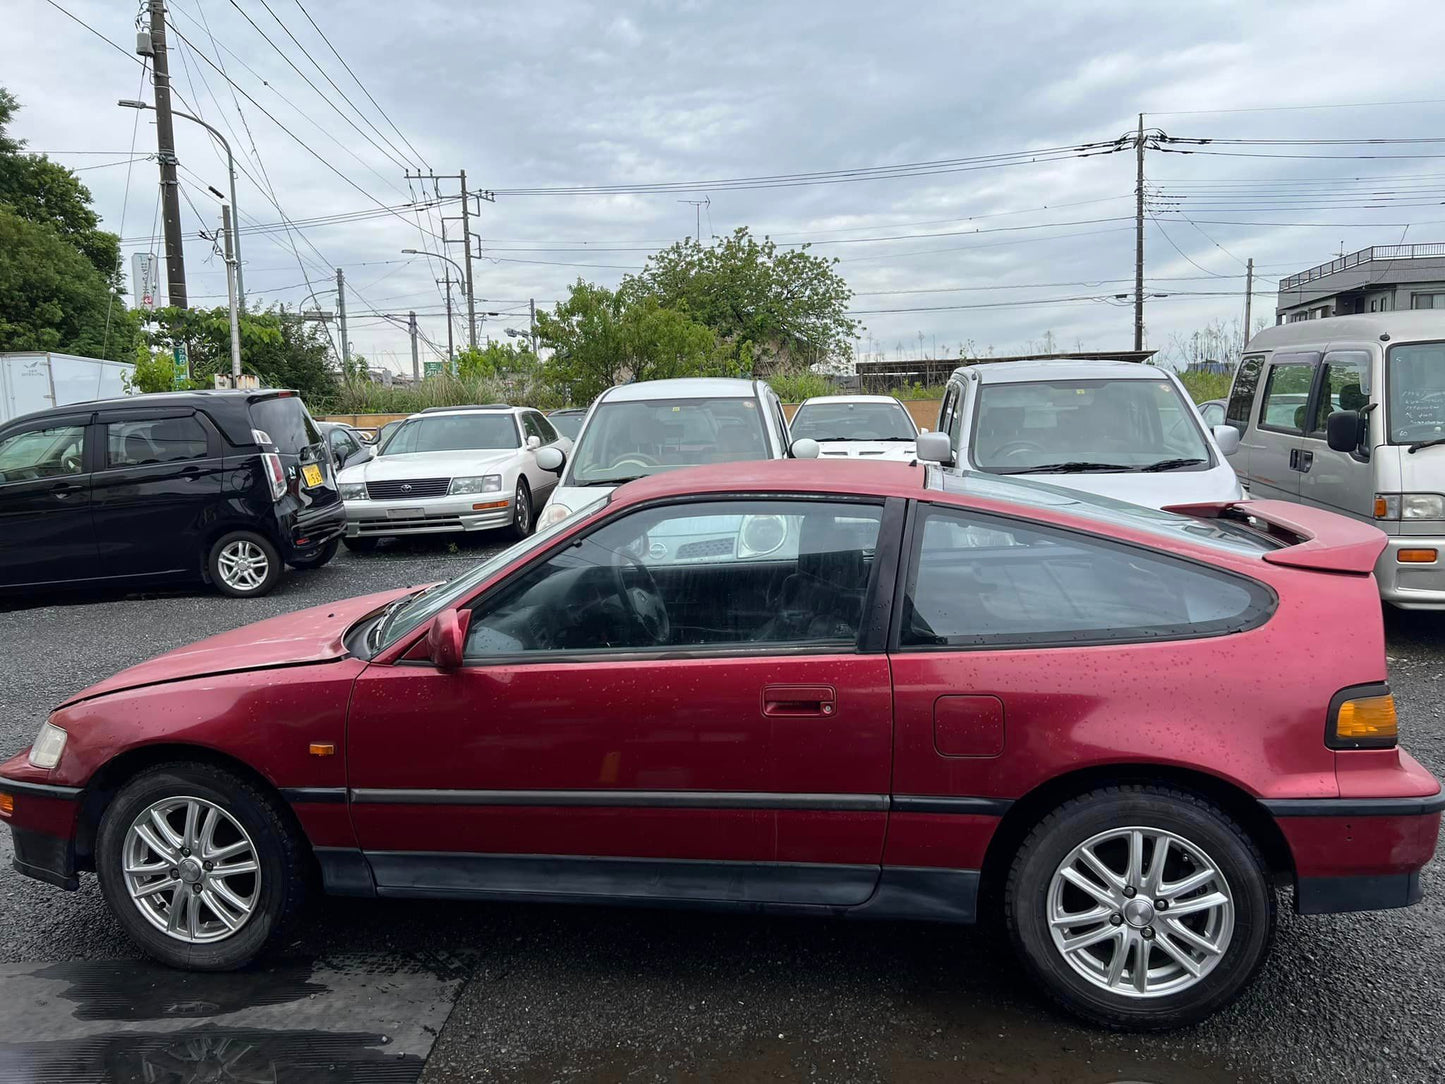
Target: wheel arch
<point>1027,811</point>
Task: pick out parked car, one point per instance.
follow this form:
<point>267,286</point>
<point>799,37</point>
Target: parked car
<point>471,468</point>
<point>385,431</point>
<point>857,426</point>
<point>948,693</point>
<point>634,430</point>
<point>568,421</point>
<point>226,486</point>
<point>1116,428</point>
<point>347,444</point>
<point>1348,414</point>
<point>1212,412</point>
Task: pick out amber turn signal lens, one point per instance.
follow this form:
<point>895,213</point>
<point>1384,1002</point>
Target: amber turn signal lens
<point>7,805</point>
<point>322,749</point>
<point>1369,719</point>
<point>489,505</point>
<point>1416,557</point>
<point>1382,508</point>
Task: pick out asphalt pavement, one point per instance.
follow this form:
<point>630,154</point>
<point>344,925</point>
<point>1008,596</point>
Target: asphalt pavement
<point>442,992</point>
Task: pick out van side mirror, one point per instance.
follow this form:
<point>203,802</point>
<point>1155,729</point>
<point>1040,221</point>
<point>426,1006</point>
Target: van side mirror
<point>534,442</point>
<point>805,448</point>
<point>935,448</point>
<point>1345,430</point>
<point>445,637</point>
<point>551,458</point>
<point>1227,437</point>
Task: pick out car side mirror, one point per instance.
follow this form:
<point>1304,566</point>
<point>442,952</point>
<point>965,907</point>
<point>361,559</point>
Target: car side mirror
<point>1227,437</point>
<point>805,448</point>
<point>925,429</point>
<point>534,442</point>
<point>551,458</point>
<point>445,637</point>
<point>935,448</point>
<point>1345,430</point>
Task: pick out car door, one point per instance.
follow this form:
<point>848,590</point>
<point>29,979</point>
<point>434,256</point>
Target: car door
<point>157,490</point>
<point>647,714</point>
<point>46,533</point>
<point>1275,440</point>
<point>1340,482</point>
<point>540,481</point>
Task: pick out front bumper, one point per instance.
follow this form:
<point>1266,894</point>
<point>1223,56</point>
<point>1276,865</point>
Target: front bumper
<point>1412,586</point>
<point>43,826</point>
<point>437,515</point>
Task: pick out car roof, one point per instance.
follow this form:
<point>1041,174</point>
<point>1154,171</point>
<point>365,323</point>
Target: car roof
<point>893,401</point>
<point>691,387</point>
<point>567,410</point>
<point>488,408</point>
<point>1406,325</point>
<point>1021,372</point>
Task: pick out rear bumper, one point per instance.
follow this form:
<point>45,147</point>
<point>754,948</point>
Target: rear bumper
<point>313,529</point>
<point>43,827</point>
<point>1358,854</point>
<point>1412,586</point>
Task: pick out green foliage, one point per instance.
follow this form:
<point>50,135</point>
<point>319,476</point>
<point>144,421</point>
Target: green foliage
<point>1205,386</point>
<point>365,397</point>
<point>769,306</point>
<point>796,385</point>
<point>495,359</point>
<point>155,370</point>
<point>919,391</point>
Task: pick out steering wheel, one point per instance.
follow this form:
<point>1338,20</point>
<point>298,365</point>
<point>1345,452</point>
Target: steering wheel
<point>1016,448</point>
<point>70,463</point>
<point>642,600</point>
<point>634,459</point>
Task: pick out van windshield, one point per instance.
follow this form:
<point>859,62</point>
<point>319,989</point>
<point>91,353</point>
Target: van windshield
<point>627,440</point>
<point>1063,426</point>
<point>1415,379</point>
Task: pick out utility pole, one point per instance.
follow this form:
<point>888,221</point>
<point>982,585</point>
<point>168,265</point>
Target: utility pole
<point>466,238</point>
<point>166,146</point>
<point>232,267</point>
<point>451,346</point>
<point>532,327</point>
<point>1139,238</point>
<point>467,245</point>
<point>415,361</point>
<point>697,206</point>
<point>341,316</point>
<point>1248,295</point>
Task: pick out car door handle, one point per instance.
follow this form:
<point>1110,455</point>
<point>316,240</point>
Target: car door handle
<point>190,474</point>
<point>799,699</point>
<point>1306,461</point>
<point>65,489</point>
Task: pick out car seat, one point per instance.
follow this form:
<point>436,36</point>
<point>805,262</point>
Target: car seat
<point>823,599</point>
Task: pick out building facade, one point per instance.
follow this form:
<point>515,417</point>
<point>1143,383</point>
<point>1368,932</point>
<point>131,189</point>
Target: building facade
<point>1382,278</point>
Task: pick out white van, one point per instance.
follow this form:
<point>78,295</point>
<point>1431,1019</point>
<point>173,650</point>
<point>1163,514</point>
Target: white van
<point>1347,413</point>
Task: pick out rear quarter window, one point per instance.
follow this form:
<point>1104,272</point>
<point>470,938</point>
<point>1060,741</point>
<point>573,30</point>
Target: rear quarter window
<point>286,421</point>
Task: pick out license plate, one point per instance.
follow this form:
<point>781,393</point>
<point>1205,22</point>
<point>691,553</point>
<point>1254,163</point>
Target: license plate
<point>401,513</point>
<point>312,473</point>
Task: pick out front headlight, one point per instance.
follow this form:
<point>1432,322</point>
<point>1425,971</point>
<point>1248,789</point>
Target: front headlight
<point>1414,506</point>
<point>48,745</point>
<point>553,513</point>
<point>352,491</point>
<point>486,483</point>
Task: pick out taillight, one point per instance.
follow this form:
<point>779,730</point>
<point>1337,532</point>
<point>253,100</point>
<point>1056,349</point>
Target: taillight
<point>1362,717</point>
<point>275,474</point>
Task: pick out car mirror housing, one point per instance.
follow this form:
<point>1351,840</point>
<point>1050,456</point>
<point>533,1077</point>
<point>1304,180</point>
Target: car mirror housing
<point>805,448</point>
<point>1227,437</point>
<point>935,448</point>
<point>1344,430</point>
<point>551,459</point>
<point>445,637</point>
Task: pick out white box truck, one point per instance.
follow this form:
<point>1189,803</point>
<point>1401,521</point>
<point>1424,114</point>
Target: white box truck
<point>31,381</point>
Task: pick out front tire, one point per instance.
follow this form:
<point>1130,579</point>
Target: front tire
<point>1140,907</point>
<point>317,557</point>
<point>522,517</point>
<point>200,866</point>
<point>244,564</point>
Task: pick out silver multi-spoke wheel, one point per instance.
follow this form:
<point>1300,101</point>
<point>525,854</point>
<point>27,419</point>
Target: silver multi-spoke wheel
<point>522,515</point>
<point>243,565</point>
<point>191,869</point>
<point>1140,912</point>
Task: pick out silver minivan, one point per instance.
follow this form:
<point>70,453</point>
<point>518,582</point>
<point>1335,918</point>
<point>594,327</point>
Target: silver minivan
<point>1347,413</point>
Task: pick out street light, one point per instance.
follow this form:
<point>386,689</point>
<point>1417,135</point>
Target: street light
<point>436,256</point>
<point>134,103</point>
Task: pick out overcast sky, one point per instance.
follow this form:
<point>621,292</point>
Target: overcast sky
<point>554,94</point>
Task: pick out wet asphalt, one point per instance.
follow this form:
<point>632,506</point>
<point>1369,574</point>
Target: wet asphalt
<point>467,992</point>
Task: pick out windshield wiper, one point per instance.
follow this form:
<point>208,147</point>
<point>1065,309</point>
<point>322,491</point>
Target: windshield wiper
<point>612,481</point>
<point>1171,464</point>
<point>1424,444</point>
<point>1076,467</point>
<point>373,638</point>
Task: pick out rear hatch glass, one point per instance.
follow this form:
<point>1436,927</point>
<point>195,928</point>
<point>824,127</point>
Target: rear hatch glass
<point>284,421</point>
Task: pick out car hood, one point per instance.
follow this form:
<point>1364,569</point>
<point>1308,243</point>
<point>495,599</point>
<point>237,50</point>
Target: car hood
<point>866,449</point>
<point>427,465</point>
<point>1219,483</point>
<point>307,636</point>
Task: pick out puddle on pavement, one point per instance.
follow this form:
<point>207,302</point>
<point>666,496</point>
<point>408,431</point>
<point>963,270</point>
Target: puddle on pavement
<point>136,990</point>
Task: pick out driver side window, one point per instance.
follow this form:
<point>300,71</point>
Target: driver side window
<point>713,574</point>
<point>42,453</point>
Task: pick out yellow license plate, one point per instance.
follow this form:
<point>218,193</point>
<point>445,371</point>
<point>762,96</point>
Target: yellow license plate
<point>312,473</point>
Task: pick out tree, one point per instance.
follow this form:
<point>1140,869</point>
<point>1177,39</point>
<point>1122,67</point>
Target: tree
<point>495,359</point>
<point>601,337</point>
<point>772,307</point>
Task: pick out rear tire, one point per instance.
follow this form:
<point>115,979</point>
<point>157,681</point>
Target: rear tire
<point>244,564</point>
<point>361,545</point>
<point>1093,860</point>
<point>523,517</point>
<point>222,920</point>
<point>317,557</point>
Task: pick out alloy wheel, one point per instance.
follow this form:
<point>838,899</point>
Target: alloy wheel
<point>1140,912</point>
<point>522,517</point>
<point>191,869</point>
<point>243,565</point>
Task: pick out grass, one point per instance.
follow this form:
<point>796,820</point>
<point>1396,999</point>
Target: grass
<point>1205,386</point>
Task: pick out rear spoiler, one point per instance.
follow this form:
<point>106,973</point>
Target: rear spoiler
<point>1313,538</point>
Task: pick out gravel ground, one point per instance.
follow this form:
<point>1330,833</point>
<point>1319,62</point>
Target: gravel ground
<point>584,994</point>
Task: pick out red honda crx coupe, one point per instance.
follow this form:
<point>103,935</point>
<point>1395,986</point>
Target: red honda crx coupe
<point>885,691</point>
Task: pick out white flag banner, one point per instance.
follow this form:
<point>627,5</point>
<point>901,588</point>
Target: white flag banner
<point>145,279</point>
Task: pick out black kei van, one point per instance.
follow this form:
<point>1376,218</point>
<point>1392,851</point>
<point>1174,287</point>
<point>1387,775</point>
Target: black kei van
<point>225,486</point>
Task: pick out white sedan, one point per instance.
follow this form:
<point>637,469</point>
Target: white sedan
<point>856,426</point>
<point>452,469</point>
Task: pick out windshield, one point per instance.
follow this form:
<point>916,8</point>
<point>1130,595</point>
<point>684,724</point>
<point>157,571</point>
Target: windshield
<point>285,420</point>
<point>453,433</point>
<point>1068,425</point>
<point>568,424</point>
<point>629,440</point>
<point>1415,378</point>
<point>852,421</point>
<point>425,605</point>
